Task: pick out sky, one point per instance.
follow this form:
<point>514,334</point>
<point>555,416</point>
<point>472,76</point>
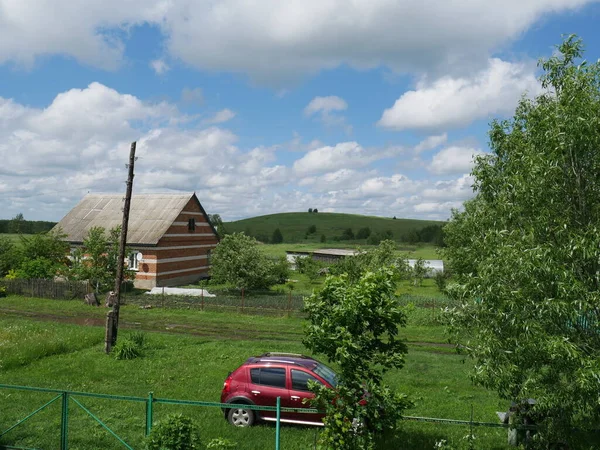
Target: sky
<point>373,107</point>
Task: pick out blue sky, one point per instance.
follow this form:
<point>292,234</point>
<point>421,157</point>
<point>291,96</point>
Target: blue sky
<point>371,107</point>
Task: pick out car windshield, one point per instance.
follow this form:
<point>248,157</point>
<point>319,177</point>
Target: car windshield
<point>326,373</point>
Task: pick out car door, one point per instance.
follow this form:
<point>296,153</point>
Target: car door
<point>298,392</point>
<point>266,384</point>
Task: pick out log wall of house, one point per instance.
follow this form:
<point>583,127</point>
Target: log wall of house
<point>182,255</point>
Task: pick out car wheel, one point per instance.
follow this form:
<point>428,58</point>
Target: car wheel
<point>240,416</point>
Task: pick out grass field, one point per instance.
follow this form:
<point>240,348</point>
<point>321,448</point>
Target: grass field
<point>295,225</point>
<point>12,237</point>
<point>46,343</point>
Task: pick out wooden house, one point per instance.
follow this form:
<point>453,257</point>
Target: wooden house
<point>170,235</point>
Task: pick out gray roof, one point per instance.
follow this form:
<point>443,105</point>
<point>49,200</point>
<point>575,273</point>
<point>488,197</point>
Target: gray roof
<point>150,216</point>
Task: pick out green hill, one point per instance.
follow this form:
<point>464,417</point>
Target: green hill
<point>294,227</point>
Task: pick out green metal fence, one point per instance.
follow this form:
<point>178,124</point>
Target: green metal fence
<point>67,398</point>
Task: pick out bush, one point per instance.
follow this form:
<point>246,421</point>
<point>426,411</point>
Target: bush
<point>363,233</point>
<point>127,349</point>
<point>312,229</point>
<point>347,235</point>
<point>176,432</point>
<point>138,338</point>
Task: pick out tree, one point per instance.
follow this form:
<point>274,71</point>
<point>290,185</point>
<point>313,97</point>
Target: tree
<point>363,233</point>
<point>347,234</point>
<point>217,223</point>
<point>16,224</point>
<point>9,256</point>
<point>238,261</point>
<point>323,238</point>
<point>41,255</point>
<point>419,271</point>
<point>355,325</point>
<point>311,229</point>
<point>310,210</point>
<point>97,259</point>
<point>524,253</point>
<point>315,210</point>
<point>277,237</point>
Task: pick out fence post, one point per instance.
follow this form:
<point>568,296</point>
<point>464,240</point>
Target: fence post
<point>64,422</point>
<point>278,425</point>
<point>149,413</point>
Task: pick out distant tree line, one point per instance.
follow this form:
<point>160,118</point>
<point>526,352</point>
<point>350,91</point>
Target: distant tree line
<point>18,225</point>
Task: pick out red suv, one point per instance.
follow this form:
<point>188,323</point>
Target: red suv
<point>261,379</point>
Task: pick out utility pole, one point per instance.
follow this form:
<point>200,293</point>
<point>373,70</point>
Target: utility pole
<point>112,318</point>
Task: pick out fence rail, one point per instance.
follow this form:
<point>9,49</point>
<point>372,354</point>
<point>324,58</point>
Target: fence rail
<point>67,398</point>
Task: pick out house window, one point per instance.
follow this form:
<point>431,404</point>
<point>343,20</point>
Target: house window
<point>132,261</point>
<point>192,224</point>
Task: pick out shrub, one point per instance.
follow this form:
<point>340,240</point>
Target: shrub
<point>347,235</point>
<point>363,233</point>
<point>176,432</point>
<point>127,349</point>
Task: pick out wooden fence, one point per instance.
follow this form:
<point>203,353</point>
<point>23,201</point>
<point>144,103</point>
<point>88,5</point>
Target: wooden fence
<point>67,290</point>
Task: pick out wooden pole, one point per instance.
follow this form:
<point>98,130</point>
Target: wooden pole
<point>114,319</point>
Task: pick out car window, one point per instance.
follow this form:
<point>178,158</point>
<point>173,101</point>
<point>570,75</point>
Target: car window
<point>268,376</point>
<point>300,380</point>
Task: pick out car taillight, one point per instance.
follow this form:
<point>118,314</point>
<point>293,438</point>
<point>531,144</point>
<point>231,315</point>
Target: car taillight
<point>226,385</point>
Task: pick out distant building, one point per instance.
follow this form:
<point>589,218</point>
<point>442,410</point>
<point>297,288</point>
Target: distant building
<point>328,255</point>
<point>170,235</point>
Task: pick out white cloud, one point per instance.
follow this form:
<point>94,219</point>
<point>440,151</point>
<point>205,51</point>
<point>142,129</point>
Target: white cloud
<point>455,102</point>
<point>325,105</point>
<point>431,142</point>
<point>325,159</point>
<point>159,66</point>
<point>58,153</point>
<point>453,160</point>
<point>287,39</point>
<point>225,115</point>
<point>326,108</point>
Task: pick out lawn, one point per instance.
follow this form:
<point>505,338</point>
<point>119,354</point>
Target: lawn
<point>12,237</point>
<point>45,343</point>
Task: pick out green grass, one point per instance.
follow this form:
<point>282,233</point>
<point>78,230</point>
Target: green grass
<point>187,356</point>
<point>295,225</point>
<point>12,237</point>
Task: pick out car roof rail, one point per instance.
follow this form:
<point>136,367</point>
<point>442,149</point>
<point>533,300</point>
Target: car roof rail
<point>281,354</point>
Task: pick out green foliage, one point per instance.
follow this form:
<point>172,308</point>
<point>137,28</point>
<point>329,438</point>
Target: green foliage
<point>45,245</point>
<point>524,253</point>
<point>18,225</point>
<point>277,237</point>
<point>323,238</point>
<point>309,267</point>
<point>311,229</point>
<point>384,255</point>
<point>9,256</point>
<point>176,432</point>
<point>216,221</point>
<point>38,268</point>
<point>220,444</point>
<point>363,233</point>
<point>419,271</point>
<point>315,210</point>
<point>127,349</point>
<point>97,259</point>
<point>355,325</point>
<point>376,238</point>
<point>347,235</point>
<point>138,338</point>
<point>237,261</point>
